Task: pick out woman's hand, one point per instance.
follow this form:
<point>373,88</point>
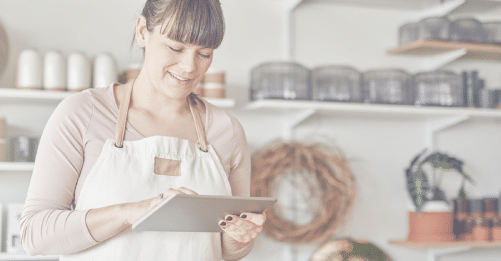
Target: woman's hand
<point>134,211</point>
<point>243,228</point>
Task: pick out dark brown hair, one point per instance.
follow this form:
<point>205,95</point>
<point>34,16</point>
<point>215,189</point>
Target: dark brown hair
<point>198,22</point>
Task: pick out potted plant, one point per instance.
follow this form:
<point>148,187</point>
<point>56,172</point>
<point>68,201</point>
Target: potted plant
<point>432,218</point>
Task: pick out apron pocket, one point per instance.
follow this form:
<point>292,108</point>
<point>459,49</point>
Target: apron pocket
<point>168,167</point>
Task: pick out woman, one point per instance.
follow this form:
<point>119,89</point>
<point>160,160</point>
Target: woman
<point>88,188</point>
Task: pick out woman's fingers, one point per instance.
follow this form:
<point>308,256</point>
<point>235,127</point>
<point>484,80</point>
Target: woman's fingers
<point>237,232</point>
<point>257,219</point>
<point>239,229</point>
<point>180,190</point>
<point>233,219</point>
<point>187,191</point>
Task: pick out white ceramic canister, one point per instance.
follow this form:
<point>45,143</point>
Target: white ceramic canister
<point>29,70</point>
<point>54,71</point>
<point>78,72</point>
<point>105,71</point>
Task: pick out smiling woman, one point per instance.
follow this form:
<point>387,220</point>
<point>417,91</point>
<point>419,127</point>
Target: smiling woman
<point>94,175</point>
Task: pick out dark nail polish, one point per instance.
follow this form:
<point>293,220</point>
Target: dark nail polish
<point>223,224</point>
<point>229,218</point>
<point>243,216</point>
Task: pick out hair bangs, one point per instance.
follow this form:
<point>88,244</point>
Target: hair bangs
<point>196,22</point>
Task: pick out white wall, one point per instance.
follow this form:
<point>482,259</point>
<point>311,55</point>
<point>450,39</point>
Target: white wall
<point>378,148</point>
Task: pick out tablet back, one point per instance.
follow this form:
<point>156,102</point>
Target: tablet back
<point>198,213</point>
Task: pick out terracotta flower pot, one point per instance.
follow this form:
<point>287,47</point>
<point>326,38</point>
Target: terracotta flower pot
<point>434,224</point>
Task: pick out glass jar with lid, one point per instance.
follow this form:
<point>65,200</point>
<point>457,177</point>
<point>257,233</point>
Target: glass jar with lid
<point>391,86</point>
<point>336,83</point>
<point>467,30</point>
<point>280,80</point>
<point>439,88</point>
<point>436,28</point>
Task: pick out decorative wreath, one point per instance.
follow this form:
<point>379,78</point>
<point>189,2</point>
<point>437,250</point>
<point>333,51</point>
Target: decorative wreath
<point>323,175</point>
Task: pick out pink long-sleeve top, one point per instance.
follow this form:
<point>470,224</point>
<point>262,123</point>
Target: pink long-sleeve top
<point>70,146</point>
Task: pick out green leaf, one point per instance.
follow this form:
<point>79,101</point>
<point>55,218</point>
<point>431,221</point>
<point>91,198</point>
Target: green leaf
<point>444,162</point>
<point>439,194</point>
<point>462,192</point>
<point>418,188</point>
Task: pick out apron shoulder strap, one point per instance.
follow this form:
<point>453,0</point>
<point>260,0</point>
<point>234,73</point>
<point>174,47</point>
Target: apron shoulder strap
<point>122,116</point>
<point>199,125</point>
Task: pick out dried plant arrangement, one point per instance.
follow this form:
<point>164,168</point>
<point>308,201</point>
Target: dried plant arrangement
<point>321,172</point>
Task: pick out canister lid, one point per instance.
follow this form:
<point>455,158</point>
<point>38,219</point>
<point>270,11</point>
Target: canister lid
<point>491,205</point>
<point>476,205</point>
<point>461,206</point>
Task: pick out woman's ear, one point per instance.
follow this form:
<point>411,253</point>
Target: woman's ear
<point>141,31</point>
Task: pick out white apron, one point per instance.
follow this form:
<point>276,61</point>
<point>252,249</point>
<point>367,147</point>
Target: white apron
<point>129,173</point>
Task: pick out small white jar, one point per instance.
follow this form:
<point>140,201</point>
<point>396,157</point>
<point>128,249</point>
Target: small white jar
<point>54,76</point>
<point>78,72</point>
<point>29,70</point>
<point>105,71</point>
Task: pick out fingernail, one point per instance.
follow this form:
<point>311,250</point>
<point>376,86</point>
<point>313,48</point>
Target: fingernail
<point>243,216</point>
<point>229,218</point>
<point>222,223</point>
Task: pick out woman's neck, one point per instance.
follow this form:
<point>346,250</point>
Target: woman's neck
<point>150,98</point>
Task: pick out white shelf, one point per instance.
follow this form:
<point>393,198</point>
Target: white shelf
<point>20,95</point>
<point>222,103</point>
<point>9,257</point>
<point>361,109</point>
<point>426,7</point>
<point>17,166</point>
<point>16,95</point>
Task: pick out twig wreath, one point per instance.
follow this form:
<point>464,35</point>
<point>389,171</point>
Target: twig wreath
<point>325,175</point>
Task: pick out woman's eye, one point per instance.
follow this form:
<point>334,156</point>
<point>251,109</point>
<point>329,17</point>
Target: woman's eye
<point>175,50</point>
<point>206,56</point>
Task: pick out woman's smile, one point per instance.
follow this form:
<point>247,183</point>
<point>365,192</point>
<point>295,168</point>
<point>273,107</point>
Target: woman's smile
<point>179,79</point>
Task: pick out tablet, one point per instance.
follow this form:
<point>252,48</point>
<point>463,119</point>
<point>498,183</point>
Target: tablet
<point>198,213</point>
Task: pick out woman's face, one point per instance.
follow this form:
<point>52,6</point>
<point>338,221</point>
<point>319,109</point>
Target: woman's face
<point>173,67</point>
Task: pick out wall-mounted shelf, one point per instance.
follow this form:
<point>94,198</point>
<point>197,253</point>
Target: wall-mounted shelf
<point>40,96</point>
<point>438,249</point>
<point>425,245</point>
<point>12,257</point>
<point>441,53</point>
<point>16,166</point>
<point>362,109</point>
<point>16,95</point>
<point>448,8</point>
<point>437,118</point>
<point>430,47</point>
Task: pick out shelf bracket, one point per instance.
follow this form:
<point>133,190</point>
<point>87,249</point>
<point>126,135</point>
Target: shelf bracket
<point>295,120</point>
<point>440,60</point>
<point>288,8</point>
<point>435,253</point>
<point>441,124</point>
<point>441,10</point>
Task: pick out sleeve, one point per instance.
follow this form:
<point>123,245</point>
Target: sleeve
<point>240,172</point>
<point>49,226</point>
<point>240,183</point>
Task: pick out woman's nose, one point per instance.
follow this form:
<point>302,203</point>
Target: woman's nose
<point>188,63</point>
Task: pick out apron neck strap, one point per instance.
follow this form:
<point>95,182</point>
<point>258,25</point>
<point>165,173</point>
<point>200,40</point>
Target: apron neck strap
<point>199,124</point>
<point>124,108</point>
<point>122,116</point>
